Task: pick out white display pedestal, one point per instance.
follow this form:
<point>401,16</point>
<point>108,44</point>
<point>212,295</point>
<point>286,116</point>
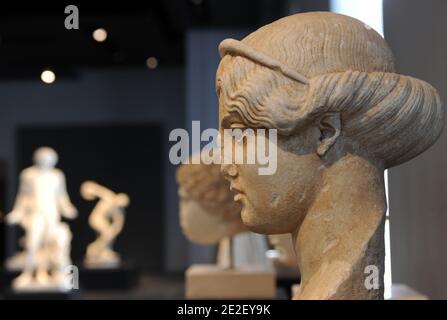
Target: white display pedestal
<point>215,282</point>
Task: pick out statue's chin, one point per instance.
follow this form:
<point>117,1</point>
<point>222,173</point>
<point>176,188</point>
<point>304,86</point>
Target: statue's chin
<point>264,224</point>
<point>254,222</point>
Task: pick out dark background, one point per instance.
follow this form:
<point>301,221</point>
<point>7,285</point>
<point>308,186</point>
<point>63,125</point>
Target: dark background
<point>121,157</point>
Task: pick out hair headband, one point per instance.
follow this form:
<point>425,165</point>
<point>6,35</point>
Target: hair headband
<point>231,46</point>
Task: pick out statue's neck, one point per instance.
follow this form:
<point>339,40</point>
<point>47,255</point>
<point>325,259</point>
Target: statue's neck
<point>225,253</point>
<point>342,233</point>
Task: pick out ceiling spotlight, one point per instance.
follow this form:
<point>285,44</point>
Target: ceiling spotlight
<point>152,62</point>
<point>48,76</point>
<point>100,35</point>
<point>197,2</point>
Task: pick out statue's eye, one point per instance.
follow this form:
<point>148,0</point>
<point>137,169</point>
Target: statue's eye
<point>218,87</point>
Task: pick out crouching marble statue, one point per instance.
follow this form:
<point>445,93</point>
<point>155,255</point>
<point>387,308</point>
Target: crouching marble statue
<point>208,215</point>
<point>107,219</point>
<point>326,83</point>
<point>41,202</point>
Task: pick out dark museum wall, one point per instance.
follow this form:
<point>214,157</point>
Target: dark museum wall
<point>417,189</point>
<point>104,97</point>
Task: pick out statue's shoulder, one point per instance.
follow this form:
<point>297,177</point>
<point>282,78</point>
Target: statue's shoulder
<point>58,172</point>
<point>28,173</point>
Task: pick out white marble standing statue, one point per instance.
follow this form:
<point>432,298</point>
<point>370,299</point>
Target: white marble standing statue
<point>107,219</point>
<point>41,202</point>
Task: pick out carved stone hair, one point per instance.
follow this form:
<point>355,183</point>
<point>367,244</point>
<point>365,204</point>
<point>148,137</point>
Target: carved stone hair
<point>206,185</point>
<point>291,72</point>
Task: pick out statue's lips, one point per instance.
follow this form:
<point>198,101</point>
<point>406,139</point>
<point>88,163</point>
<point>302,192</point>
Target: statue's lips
<point>238,197</point>
<point>239,193</point>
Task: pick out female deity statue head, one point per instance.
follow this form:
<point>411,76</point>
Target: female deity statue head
<point>207,210</point>
<point>326,83</point>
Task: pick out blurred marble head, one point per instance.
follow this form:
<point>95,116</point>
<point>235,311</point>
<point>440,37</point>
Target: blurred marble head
<point>207,210</point>
<point>45,158</point>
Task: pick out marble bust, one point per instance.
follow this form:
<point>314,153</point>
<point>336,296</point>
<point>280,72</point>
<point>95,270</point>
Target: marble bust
<point>326,82</point>
<point>207,210</point>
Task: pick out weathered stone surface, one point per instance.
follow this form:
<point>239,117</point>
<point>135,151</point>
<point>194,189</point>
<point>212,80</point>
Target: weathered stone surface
<point>326,82</point>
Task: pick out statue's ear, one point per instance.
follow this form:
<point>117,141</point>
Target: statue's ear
<point>330,126</point>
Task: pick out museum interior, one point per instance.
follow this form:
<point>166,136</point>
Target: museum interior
<point>94,203</point>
